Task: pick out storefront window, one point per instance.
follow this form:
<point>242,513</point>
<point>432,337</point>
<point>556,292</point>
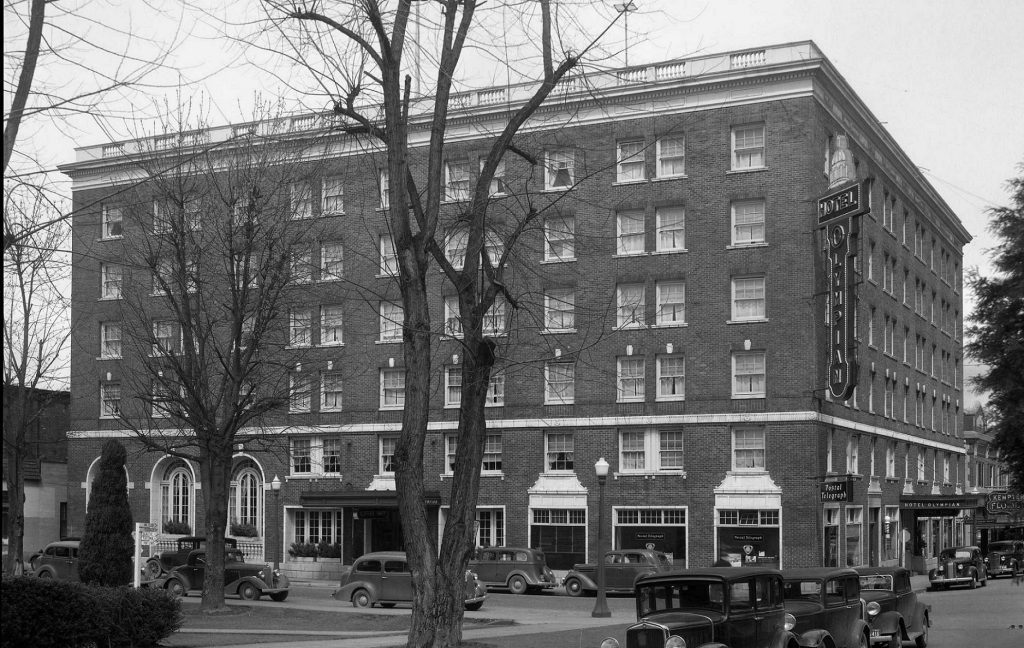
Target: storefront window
<point>891,533</point>
<point>854,536</point>
<point>561,534</point>
<point>658,529</point>
<point>831,537</point>
<point>749,537</point>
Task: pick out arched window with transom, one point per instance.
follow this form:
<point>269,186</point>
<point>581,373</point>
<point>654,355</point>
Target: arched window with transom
<point>176,498</point>
<point>245,504</point>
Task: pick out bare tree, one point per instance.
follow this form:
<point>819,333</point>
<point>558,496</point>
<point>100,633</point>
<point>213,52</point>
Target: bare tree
<point>207,256</point>
<point>356,55</point>
<point>36,334</point>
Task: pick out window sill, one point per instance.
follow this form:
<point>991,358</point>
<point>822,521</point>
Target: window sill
<point>750,170</point>
<point>658,252</point>
<point>753,320</point>
<point>331,345</point>
<point>744,246</point>
<point>391,408</point>
<point>108,299</point>
<point>627,183</point>
<point>330,280</point>
<point>667,399</point>
<point>558,189</point>
<point>331,410</point>
<point>746,396</point>
<point>553,261</point>
<point>629,401</point>
<point>295,347</point>
<point>669,325</point>
<point>110,357</point>
<point>386,276</point>
<point>649,474</point>
<point>104,239</point>
<point>483,474</point>
<point>312,476</point>
<point>299,412</point>
<point>328,214</point>
<point>630,327</point>
<point>667,178</point>
<point>629,255</point>
<point>559,403</point>
<point>387,341</point>
<point>558,331</point>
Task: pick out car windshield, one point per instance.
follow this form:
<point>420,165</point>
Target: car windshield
<point>809,590</point>
<point>954,554</point>
<point>876,582</point>
<point>681,595</point>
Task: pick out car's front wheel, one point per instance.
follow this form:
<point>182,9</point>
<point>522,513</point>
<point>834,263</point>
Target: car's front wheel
<point>517,585</point>
<point>922,639</point>
<point>248,592</point>
<point>574,587</point>
<point>46,573</point>
<point>152,570</point>
<point>974,580</point>
<point>473,607</point>
<point>278,596</point>
<point>176,587</point>
<point>361,598</point>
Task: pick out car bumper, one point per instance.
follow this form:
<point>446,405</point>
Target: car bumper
<point>999,571</point>
<point>880,638</point>
<point>956,580</point>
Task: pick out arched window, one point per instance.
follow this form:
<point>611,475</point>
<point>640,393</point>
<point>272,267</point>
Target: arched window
<point>176,491</point>
<point>245,505</point>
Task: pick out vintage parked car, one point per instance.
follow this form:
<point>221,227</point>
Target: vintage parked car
<point>383,577</point>
<point>520,569</point>
<point>740,607</point>
<point>158,565</point>
<point>248,580</point>
<point>827,599</point>
<point>622,568</point>
<point>1005,557</point>
<point>893,611</point>
<point>57,560</point>
<point>958,566</point>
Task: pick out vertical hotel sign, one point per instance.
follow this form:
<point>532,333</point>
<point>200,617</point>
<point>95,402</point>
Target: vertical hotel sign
<point>837,213</point>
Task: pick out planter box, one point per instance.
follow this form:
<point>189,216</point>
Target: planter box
<point>314,569</point>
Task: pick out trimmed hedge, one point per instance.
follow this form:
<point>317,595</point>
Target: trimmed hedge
<point>44,613</point>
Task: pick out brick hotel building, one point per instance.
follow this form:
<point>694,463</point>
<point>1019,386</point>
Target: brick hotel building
<point>671,318</point>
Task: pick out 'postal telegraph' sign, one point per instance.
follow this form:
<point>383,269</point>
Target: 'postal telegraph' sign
<point>836,491</point>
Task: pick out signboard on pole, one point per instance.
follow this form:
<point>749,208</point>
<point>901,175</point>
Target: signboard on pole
<point>836,491</point>
<point>841,309</point>
<point>146,537</point>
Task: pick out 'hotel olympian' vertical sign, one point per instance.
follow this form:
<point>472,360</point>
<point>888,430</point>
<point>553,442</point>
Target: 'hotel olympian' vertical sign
<point>837,213</point>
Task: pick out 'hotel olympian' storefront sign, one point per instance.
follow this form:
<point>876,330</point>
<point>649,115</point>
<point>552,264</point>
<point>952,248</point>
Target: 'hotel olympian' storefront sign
<point>837,212</point>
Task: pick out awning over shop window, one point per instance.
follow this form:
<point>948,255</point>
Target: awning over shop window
<point>361,499</point>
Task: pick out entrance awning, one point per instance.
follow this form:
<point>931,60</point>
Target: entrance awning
<point>937,505</point>
<point>361,499</point>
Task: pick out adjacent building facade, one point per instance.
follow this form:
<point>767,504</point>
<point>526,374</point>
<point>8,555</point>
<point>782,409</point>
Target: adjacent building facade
<point>670,316</point>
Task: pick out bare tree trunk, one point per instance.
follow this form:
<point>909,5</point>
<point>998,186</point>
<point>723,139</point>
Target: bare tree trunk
<point>14,476</point>
<point>215,469</point>
<point>28,71</point>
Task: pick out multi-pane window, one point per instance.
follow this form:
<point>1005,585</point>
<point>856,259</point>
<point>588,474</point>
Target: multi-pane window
<point>560,309</point>
<point>456,180</point>
<point>163,276</point>
<point>671,377</point>
<point>492,453</point>
<point>558,451</point>
<point>748,449</point>
<point>161,217</point>
<point>630,305</point>
<point>671,224</point>
<point>630,232</point>
<point>110,340</point>
<point>300,392</point>
<point>330,391</point>
<point>387,455</point>
<point>112,222</point>
<point>333,196</point>
<point>302,200</point>
<point>748,374</point>
<point>671,156</point>
<point>452,322</point>
<point>315,527</point>
<point>111,278</point>
<point>176,494</point>
<point>302,456</point>
<point>495,390</point>
<point>560,169</point>
<point>748,298</point>
<point>748,147</point>
<point>853,454</point>
<point>384,188</point>
<point>560,238</point>
<point>650,450</point>
<point>110,400</point>
<point>332,258</point>
<point>300,327</point>
<point>392,388</point>
<point>630,379</point>
<point>391,316</point>
<point>165,342</point>
<point>332,455</point>
<point>452,386</point>
<point>671,303</point>
<point>748,222</point>
<point>890,460</point>
<point>559,383</point>
<point>388,256</point>
<point>162,403</point>
<point>630,162</point>
<point>496,318</point>
<point>498,186</point>
<point>331,324</point>
<point>301,266</point>
<point>455,247</point>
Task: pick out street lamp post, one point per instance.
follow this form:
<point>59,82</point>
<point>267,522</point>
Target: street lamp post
<point>626,8</point>
<point>601,605</point>
<point>275,487</point>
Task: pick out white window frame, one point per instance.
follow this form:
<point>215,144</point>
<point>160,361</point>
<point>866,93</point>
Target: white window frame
<point>393,391</point>
<point>560,242</point>
<point>630,379</point>
<point>560,310</point>
<point>556,161</point>
<point>749,147</point>
<point>332,197</point>
<point>747,210</point>
<point>331,399</point>
<point>652,450</point>
<point>171,346</point>
<point>332,322</point>
<point>745,291</point>
<point>566,395</point>
<point>387,445</point>
<point>630,241</point>
<point>666,159</point>
<point>112,223</point>
<point>630,161</point>
<point>496,389</point>
<point>300,264</point>
<point>676,381</point>
<point>111,339</point>
<point>671,229</point>
<point>561,452</point>
<point>384,188</point>
<point>498,186</point>
<point>388,257</point>
<point>456,180</point>
<point>495,322</point>
<point>455,245</point>
<point>300,327</point>
<point>391,322</point>
<point>748,442</point>
<point>452,321</point>
<point>301,194</point>
<point>111,397</point>
<point>675,309</point>
<point>630,314</point>
<point>853,454</point>
<point>300,393</point>
<point>453,386</point>
<point>752,392</point>
<point>111,281</point>
<point>890,460</point>
<point>332,261</point>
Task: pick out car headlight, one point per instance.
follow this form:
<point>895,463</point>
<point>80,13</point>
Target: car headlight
<point>610,642</point>
<point>675,641</point>
<point>960,567</point>
<point>790,621</point>
<point>873,608</point>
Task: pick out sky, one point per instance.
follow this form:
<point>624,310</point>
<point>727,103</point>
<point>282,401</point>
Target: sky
<point>945,77</point>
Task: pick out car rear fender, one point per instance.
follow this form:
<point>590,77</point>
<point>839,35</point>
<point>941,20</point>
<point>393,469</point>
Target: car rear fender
<point>588,583</point>
<point>785,639</point>
<point>346,591</point>
<point>888,622</point>
<point>814,638</point>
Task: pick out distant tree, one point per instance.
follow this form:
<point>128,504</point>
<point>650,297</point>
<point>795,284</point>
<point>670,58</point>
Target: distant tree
<point>105,554</point>
<point>998,331</point>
